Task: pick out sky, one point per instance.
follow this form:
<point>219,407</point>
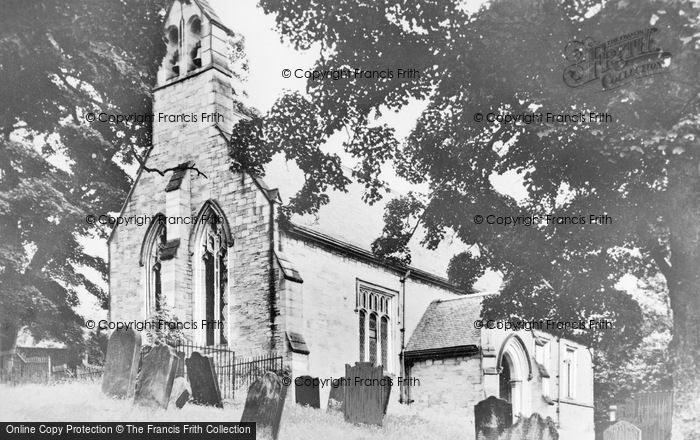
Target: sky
<point>267,56</point>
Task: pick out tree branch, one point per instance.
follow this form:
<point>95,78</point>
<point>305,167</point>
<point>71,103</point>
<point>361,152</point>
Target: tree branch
<point>182,166</point>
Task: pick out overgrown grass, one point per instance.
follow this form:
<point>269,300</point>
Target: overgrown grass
<point>83,402</point>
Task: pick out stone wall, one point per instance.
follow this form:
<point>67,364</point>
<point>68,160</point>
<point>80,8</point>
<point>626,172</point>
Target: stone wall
<point>244,205</point>
<point>454,382</point>
<point>326,300</point>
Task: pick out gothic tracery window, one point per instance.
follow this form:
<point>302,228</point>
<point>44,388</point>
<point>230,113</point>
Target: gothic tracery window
<point>150,259</point>
<point>211,299</point>
<point>375,310</point>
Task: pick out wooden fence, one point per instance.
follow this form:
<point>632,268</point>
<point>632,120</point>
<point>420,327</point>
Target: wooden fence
<point>36,369</point>
<point>652,413</point>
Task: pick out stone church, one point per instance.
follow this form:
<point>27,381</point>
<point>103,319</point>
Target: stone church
<point>309,289</point>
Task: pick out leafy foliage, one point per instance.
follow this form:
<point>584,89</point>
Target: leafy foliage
<point>642,169</point>
<point>59,60</point>
<point>165,329</point>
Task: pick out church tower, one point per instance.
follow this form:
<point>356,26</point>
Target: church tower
<point>210,257</point>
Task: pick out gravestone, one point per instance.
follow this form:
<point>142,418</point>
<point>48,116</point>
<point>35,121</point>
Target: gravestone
<point>121,363</point>
<point>336,397</point>
<point>532,428</point>
<point>387,392</point>
<point>156,377</point>
<point>180,393</point>
<point>180,364</point>
<point>265,402</point>
<point>307,391</point>
<point>622,430</point>
<point>203,380</point>
<point>491,417</point>
<point>366,394</point>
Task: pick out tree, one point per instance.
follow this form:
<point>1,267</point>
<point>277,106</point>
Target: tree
<point>641,169</point>
<point>59,61</point>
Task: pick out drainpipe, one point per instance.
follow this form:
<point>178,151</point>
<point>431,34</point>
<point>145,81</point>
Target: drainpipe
<point>403,389</point>
<point>273,281</point>
<point>559,359</point>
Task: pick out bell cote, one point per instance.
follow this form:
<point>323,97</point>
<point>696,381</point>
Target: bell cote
<point>196,40</point>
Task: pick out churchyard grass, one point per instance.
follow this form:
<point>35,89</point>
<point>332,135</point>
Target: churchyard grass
<point>82,401</point>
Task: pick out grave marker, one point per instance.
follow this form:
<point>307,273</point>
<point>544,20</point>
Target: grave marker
<point>180,393</point>
<point>366,394</point>
<point>265,402</point>
<point>156,377</point>
<point>534,427</point>
<point>491,418</point>
<point>203,380</point>
<point>622,430</point>
<point>121,363</point>
<point>307,391</point>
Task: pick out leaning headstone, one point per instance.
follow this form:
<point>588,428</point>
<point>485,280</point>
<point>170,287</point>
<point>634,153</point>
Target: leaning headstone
<point>534,427</point>
<point>307,391</point>
<point>387,392</point>
<point>265,402</point>
<point>622,430</point>
<point>491,418</point>
<point>121,364</point>
<point>156,377</point>
<point>336,397</point>
<point>203,380</point>
<point>366,394</point>
<point>180,393</point>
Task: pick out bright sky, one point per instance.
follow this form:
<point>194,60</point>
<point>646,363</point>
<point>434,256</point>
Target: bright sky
<point>268,56</point>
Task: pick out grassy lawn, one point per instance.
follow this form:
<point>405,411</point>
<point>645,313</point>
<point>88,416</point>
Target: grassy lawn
<point>83,402</point>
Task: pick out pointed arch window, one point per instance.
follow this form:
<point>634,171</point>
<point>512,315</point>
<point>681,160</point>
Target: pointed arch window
<point>153,244</point>
<point>210,255</point>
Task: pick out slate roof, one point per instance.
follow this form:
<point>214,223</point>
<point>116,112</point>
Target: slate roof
<point>347,219</point>
<point>447,324</point>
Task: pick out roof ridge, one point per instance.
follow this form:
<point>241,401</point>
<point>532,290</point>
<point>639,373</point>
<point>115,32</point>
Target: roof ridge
<point>466,296</point>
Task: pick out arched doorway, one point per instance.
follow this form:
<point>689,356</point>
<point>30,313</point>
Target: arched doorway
<point>515,373</point>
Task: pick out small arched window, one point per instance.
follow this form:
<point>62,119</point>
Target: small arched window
<point>172,57</point>
<point>150,260</point>
<point>194,43</point>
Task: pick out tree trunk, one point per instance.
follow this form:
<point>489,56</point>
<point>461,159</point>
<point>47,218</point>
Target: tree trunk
<point>685,352</point>
<point>683,281</point>
<point>8,343</point>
